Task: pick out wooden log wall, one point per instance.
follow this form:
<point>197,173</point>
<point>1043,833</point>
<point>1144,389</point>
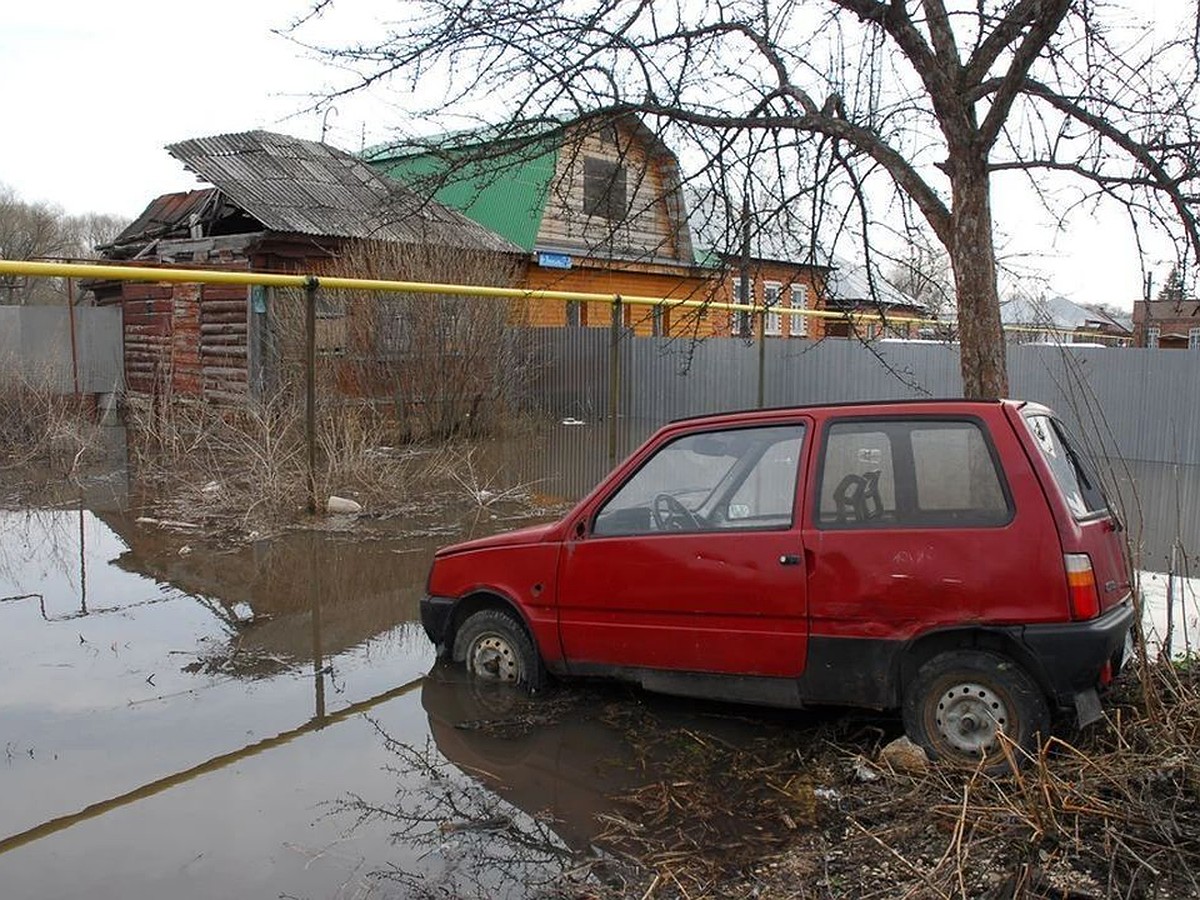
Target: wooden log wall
<point>223,343</point>
<point>147,316</point>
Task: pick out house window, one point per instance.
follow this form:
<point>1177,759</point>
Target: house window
<point>330,322</point>
<point>604,188</point>
<point>773,320</point>
<point>574,310</point>
<point>1194,338</point>
<point>740,319</point>
<point>658,320</point>
<point>1152,334</point>
<point>799,324</point>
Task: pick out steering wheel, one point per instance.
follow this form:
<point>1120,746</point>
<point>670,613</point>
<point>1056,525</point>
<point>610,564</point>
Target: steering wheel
<point>671,515</point>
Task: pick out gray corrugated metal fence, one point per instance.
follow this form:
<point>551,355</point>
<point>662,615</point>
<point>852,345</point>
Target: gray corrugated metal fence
<point>1127,403</point>
<point>36,341</point>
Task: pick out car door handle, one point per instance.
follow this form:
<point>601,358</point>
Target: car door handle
<point>789,559</point>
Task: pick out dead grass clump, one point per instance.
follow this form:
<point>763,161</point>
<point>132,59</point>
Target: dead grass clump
<point>39,426</point>
<point>1114,814</point>
<point>248,466</point>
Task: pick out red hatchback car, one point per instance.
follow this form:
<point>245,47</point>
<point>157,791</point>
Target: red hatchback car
<point>955,560</point>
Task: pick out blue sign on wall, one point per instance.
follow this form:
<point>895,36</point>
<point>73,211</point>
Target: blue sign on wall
<point>554,260</point>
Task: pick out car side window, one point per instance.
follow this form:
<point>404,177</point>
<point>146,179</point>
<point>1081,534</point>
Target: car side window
<point>711,481</point>
<point>858,479</point>
<point>910,473</point>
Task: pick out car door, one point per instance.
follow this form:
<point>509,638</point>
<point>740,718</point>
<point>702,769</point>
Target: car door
<point>915,525</point>
<point>694,562</point>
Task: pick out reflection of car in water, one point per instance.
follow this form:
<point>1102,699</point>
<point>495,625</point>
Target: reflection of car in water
<point>567,769</point>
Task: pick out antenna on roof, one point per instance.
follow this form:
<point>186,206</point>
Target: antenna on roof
<point>325,121</point>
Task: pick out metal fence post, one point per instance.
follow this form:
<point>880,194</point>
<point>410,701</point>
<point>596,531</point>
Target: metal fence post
<point>762,348</point>
<point>614,379</point>
<point>74,341</point>
<point>310,386</point>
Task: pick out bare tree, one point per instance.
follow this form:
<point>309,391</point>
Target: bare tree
<point>924,274</point>
<point>38,231</point>
<point>876,115</point>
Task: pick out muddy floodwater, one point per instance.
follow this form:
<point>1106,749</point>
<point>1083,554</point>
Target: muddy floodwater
<point>268,720</point>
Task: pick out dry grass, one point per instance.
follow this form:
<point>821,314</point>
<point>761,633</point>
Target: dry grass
<point>248,467</point>
<point>41,428</point>
<point>1112,813</point>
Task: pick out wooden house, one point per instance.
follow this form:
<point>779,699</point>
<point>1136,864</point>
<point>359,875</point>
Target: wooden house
<point>275,203</point>
<point>596,208</point>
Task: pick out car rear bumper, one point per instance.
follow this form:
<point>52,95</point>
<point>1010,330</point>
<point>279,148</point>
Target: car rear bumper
<point>435,617</point>
<point>1073,654</point>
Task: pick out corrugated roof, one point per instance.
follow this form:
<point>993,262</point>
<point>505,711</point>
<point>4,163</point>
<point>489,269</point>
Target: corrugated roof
<point>501,175</point>
<point>849,283</point>
<point>505,192</point>
<point>165,213</point>
<point>1054,312</point>
<point>303,187</point>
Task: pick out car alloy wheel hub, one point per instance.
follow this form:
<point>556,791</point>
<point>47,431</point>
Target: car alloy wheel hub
<point>968,717</point>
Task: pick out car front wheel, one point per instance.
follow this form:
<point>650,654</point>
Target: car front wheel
<point>495,647</point>
<point>961,701</point>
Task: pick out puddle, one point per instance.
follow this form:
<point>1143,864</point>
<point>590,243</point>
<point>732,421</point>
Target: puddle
<point>175,723</point>
<point>259,722</point>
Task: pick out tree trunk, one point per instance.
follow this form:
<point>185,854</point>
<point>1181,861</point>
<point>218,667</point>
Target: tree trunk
<point>973,258</point>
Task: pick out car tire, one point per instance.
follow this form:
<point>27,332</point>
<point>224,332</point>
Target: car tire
<point>959,700</point>
<point>495,647</point>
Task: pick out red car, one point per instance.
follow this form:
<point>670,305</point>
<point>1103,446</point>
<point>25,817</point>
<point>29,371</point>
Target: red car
<point>955,560</point>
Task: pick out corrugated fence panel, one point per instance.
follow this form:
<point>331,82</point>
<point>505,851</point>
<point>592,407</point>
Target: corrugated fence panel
<point>37,341</point>
<point>1127,403</point>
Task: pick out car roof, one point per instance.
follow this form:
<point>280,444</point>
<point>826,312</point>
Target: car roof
<point>956,402</point>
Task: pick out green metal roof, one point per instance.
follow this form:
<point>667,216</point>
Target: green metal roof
<point>506,191</point>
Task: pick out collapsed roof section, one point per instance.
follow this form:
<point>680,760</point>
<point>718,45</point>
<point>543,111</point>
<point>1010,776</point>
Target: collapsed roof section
<point>264,181</point>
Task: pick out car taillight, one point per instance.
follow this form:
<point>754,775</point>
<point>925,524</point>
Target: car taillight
<point>1081,581</point>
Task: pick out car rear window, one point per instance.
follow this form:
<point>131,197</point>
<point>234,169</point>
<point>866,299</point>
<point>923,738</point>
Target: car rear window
<point>1079,486</point>
<point>915,473</point>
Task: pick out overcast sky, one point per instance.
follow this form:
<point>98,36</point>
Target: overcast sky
<point>93,91</point>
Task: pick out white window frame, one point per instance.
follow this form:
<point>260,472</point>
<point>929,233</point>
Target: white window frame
<point>798,325</point>
<point>741,321</point>
<point>1194,337</point>
<point>1153,333</point>
<point>773,318</point>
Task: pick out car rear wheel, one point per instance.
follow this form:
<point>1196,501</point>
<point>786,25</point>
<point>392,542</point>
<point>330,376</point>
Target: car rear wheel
<point>960,701</point>
<point>495,647</point>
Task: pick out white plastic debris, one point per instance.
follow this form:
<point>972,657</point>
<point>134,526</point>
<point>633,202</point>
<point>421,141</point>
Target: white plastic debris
<point>571,420</point>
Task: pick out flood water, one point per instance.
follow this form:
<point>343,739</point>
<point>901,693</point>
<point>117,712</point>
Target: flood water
<point>269,721</point>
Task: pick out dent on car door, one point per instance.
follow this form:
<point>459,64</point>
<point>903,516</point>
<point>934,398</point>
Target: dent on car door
<point>693,562</point>
<point>909,532</point>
